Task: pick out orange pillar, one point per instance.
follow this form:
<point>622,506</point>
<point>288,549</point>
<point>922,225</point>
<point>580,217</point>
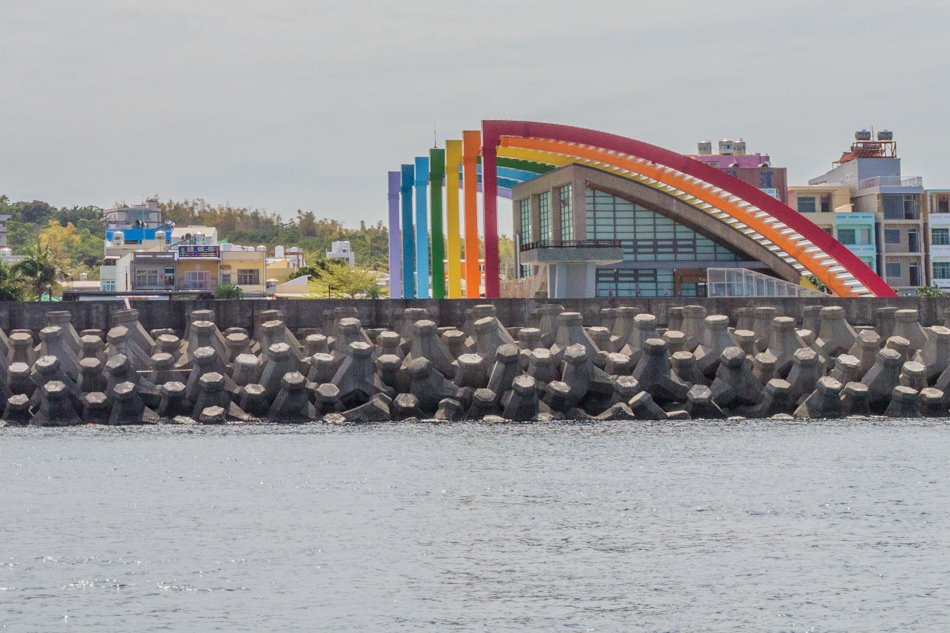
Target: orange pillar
<point>471,145</point>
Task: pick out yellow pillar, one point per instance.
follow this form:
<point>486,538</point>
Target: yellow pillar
<point>453,159</point>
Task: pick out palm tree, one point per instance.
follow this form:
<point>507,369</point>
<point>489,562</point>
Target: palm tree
<point>228,291</point>
<point>39,270</point>
<point>11,286</point>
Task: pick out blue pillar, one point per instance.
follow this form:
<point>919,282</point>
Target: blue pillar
<point>395,253</point>
<point>422,227</point>
<point>408,235</point>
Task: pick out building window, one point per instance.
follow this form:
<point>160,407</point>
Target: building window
<point>806,204</point>
<point>524,210</point>
<point>146,278</point>
<point>942,204</point>
<point>107,285</point>
<point>544,217</point>
<point>248,276</point>
<point>847,237</point>
<point>647,236</point>
<point>197,280</point>
<point>226,278</point>
<point>940,237</point>
<point>941,270</point>
<point>636,282</point>
<point>892,270</point>
<point>566,195</point>
<point>765,179</point>
<point>900,207</point>
<point>826,203</point>
<point>892,236</point>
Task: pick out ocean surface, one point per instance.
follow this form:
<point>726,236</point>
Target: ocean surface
<point>635,526</point>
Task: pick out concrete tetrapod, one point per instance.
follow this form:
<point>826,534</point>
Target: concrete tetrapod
<point>905,403</point>
<point>824,401</point>
<point>907,325</point>
<point>521,403</point>
<point>716,338</point>
<point>835,336</point>
<point>734,384</point>
<point>655,375</point>
<point>881,380</point>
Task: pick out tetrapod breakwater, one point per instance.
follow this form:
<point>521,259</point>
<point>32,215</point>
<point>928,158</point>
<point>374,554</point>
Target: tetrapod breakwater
<point>758,363</point>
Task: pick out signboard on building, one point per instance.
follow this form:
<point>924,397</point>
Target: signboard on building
<point>192,251</point>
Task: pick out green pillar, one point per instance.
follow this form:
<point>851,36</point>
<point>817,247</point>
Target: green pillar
<point>436,175</point>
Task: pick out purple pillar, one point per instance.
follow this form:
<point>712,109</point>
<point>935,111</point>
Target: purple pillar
<point>395,255</point>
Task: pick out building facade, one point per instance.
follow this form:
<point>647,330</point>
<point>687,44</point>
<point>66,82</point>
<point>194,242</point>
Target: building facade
<point>938,217</point>
<point>754,169</point>
<point>245,268</point>
<point>147,215</point>
<point>588,233</point>
<point>871,171</point>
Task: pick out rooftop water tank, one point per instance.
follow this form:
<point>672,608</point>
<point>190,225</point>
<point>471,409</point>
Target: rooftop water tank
<point>862,135</point>
<point>261,249</point>
<point>6,252</point>
<point>739,147</point>
<point>705,148</point>
<point>726,147</point>
<point>278,252</point>
<point>885,135</point>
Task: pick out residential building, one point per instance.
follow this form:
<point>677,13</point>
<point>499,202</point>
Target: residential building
<point>938,206</point>
<point>754,169</point>
<point>871,171</point>
<point>857,231</point>
<point>342,250</point>
<point>147,215</point>
<point>3,230</point>
<point>122,240</point>
<point>152,271</point>
<point>198,266</point>
<point>245,267</point>
<point>819,203</point>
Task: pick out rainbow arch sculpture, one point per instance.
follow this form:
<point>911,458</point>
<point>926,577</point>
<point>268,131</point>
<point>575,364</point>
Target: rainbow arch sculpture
<point>505,153</point>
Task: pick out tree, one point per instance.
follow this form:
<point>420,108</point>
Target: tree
<point>340,280</point>
<point>930,291</point>
<point>40,270</point>
<point>11,286</point>
<point>228,291</point>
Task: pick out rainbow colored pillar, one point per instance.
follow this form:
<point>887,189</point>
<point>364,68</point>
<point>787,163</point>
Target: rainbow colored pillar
<point>408,236</point>
<point>490,218</point>
<point>422,228</point>
<point>395,265</point>
<point>436,174</point>
<point>453,158</point>
<point>471,144</point>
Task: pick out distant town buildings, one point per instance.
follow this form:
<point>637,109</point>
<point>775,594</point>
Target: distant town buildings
<point>894,209</point>
<point>145,254</point>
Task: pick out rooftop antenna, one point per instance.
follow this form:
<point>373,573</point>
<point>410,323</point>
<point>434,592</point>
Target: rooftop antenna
<point>435,141</point>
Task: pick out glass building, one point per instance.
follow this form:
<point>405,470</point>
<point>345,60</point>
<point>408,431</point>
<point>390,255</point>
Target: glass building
<point>607,236</point>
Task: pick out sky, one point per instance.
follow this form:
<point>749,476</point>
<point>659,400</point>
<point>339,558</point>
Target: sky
<point>305,104</point>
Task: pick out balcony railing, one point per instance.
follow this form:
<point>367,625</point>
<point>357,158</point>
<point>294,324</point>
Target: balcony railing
<point>533,246</point>
<point>890,181</point>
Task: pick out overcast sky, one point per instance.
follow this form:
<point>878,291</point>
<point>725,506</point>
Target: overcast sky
<point>303,104</point>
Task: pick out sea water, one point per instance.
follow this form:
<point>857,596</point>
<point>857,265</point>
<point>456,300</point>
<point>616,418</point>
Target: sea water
<point>621,526</point>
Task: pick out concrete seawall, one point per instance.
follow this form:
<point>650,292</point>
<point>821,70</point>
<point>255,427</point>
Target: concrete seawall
<point>453,361</point>
<point>307,313</point>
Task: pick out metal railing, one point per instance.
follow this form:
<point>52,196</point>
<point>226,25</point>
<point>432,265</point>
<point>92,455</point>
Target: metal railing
<point>532,246</point>
<point>890,181</point>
